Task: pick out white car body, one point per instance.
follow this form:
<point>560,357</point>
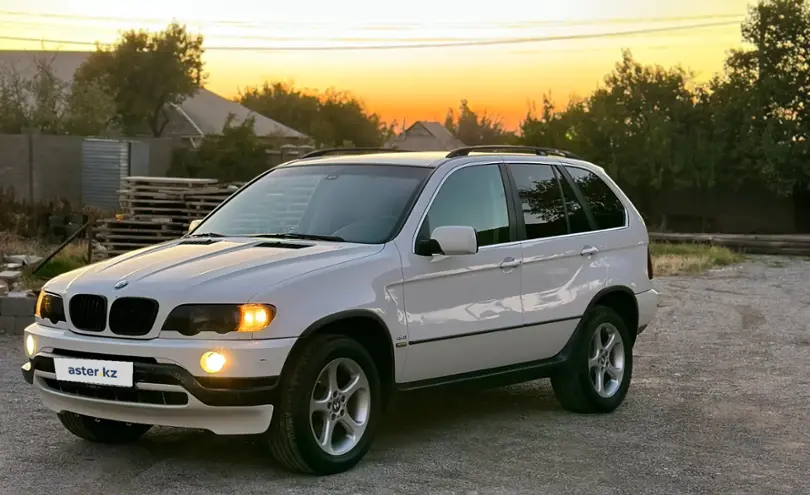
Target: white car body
<point>511,306</point>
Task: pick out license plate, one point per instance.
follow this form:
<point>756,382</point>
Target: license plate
<point>113,373</point>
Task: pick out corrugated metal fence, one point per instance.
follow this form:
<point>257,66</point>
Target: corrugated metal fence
<point>104,163</point>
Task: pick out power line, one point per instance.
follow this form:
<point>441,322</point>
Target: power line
<point>238,23</point>
<point>461,44</point>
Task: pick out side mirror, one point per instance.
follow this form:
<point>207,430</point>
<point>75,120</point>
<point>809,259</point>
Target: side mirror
<point>454,240</point>
<point>193,225</point>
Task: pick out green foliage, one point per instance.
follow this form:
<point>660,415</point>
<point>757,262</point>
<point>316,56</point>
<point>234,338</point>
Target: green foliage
<point>333,118</point>
<point>41,101</point>
<point>143,73</point>
<point>473,129</point>
<point>654,130</point>
<point>237,155</point>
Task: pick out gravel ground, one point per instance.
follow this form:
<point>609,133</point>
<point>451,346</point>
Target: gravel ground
<point>718,404</point>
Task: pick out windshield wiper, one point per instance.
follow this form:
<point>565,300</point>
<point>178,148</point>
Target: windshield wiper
<point>294,235</point>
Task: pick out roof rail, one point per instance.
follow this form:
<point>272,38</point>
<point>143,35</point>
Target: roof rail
<point>335,151</point>
<point>511,148</point>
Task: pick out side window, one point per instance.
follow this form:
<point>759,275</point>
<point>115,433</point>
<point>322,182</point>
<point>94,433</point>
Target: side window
<point>472,197</point>
<point>577,218</point>
<point>607,209</point>
<point>543,210</point>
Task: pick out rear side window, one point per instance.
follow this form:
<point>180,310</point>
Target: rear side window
<point>541,200</point>
<point>577,218</point>
<point>607,209</point>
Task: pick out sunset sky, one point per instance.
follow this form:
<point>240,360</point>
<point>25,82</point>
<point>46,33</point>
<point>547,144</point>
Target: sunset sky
<point>297,41</point>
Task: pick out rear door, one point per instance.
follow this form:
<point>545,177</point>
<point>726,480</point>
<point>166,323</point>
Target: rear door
<point>562,267</point>
<point>621,249</point>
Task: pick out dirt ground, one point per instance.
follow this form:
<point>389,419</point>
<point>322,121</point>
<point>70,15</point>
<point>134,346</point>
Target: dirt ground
<point>718,404</point>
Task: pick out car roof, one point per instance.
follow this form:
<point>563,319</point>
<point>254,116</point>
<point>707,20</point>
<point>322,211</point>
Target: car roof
<point>433,159</point>
<point>411,158</point>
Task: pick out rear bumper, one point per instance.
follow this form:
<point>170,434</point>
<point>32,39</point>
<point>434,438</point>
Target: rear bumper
<point>647,306</point>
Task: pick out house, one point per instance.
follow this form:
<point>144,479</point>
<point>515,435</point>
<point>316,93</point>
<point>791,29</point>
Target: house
<point>425,136</point>
<point>202,114</point>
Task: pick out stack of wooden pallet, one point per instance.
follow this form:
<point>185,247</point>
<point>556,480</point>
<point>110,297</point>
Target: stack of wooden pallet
<point>158,209</point>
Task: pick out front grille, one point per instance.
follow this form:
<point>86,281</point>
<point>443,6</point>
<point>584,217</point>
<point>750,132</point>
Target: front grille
<point>118,394</point>
<point>88,312</point>
<point>133,316</point>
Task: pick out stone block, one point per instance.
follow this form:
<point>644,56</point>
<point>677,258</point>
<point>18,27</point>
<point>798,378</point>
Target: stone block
<point>17,306</point>
<point>21,323</point>
<point>7,324</point>
<point>24,259</point>
<point>10,275</point>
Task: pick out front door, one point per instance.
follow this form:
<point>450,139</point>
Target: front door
<point>458,307</point>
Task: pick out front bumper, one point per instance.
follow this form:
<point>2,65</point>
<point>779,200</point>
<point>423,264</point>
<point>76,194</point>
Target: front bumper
<point>167,388</point>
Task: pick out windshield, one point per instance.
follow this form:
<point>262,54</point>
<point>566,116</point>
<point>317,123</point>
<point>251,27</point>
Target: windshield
<point>353,203</point>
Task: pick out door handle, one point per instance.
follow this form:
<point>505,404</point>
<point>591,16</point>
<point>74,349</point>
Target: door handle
<point>509,263</point>
<point>588,251</point>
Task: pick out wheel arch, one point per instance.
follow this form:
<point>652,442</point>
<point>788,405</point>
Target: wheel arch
<point>363,325</point>
<point>623,301</point>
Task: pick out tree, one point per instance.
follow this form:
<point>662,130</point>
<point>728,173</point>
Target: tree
<point>235,155</point>
<point>776,76</point>
<point>44,102</point>
<point>473,129</point>
<point>35,102</point>
<point>333,118</point>
<point>145,73</point>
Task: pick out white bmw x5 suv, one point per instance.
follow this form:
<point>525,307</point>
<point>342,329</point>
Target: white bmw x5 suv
<point>303,302</point>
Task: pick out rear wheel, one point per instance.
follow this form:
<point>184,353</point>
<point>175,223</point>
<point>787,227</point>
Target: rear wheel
<point>101,430</point>
<point>329,407</point>
<point>599,374</point>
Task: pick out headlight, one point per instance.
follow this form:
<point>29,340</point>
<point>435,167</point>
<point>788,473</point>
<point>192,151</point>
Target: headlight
<point>191,319</point>
<point>50,307</point>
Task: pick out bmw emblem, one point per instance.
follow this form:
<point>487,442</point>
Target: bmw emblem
<point>120,284</point>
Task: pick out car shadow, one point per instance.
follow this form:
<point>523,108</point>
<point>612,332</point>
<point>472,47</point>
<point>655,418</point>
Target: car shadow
<point>447,409</point>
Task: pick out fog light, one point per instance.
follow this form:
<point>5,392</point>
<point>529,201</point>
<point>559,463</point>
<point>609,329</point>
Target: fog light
<point>212,362</point>
<point>30,345</point>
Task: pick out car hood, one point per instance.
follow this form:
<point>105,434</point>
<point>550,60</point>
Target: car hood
<point>207,270</point>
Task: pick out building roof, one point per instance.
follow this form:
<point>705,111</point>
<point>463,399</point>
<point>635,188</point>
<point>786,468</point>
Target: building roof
<point>205,112</point>
<point>425,136</point>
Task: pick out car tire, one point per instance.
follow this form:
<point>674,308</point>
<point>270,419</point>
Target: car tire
<point>297,432</point>
<point>101,430</point>
<point>577,387</point>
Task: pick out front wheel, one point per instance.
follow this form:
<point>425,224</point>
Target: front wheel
<point>329,406</point>
<point>101,430</point>
<point>598,376</point>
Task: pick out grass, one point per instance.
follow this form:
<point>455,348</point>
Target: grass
<point>690,258</point>
<point>71,257</point>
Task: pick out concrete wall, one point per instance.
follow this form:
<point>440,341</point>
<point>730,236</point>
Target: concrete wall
<point>55,164</point>
<point>16,313</point>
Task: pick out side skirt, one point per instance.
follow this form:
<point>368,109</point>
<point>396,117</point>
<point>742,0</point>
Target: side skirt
<point>504,375</point>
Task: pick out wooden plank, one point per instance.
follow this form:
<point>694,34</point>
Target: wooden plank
<point>729,237</point>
